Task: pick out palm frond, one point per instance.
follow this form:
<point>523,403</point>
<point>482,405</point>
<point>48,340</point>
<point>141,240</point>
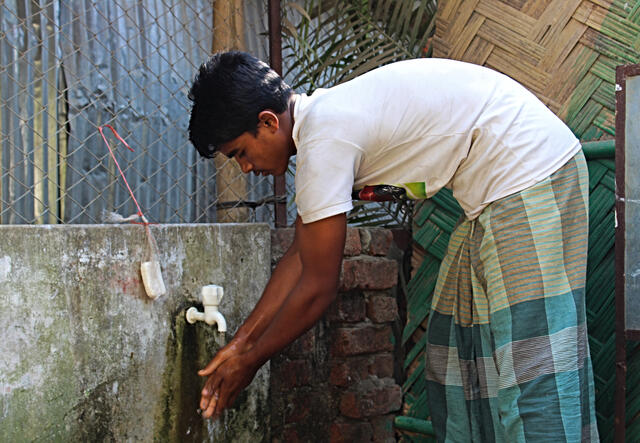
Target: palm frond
<point>335,43</point>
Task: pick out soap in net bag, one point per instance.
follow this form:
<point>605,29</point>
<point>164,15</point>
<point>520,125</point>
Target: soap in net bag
<point>150,266</point>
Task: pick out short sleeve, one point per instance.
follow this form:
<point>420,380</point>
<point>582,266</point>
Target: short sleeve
<point>325,173</point>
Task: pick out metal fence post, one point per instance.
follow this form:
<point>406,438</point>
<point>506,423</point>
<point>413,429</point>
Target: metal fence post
<point>275,56</point>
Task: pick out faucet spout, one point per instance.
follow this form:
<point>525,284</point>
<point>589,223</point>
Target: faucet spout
<point>211,296</point>
<point>215,318</point>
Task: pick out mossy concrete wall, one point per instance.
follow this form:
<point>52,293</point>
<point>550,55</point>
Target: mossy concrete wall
<point>86,356</point>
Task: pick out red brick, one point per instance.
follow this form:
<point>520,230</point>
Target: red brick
<point>303,346</point>
<point>352,370</point>
<point>352,244</point>
<point>350,432</point>
<point>340,374</point>
<point>382,308</point>
<point>381,241</point>
<point>383,431</point>
<point>348,307</point>
<point>361,340</point>
<point>291,436</point>
<point>376,241</point>
<point>349,371</point>
<point>297,409</point>
<point>365,272</point>
<point>370,398</point>
<point>382,365</point>
<point>292,373</point>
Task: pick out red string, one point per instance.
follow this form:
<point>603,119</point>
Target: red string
<point>144,220</point>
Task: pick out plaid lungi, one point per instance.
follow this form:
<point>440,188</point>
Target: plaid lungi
<point>507,349</point>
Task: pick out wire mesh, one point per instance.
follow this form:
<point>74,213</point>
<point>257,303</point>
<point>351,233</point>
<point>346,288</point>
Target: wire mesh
<point>69,66</point>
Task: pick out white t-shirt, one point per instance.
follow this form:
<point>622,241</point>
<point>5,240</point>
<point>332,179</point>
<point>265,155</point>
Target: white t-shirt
<point>424,124</point>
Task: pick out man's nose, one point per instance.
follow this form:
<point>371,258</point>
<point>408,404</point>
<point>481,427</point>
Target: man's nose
<point>245,166</point>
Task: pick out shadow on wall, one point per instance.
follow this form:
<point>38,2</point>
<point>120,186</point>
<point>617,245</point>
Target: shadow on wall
<point>88,357</point>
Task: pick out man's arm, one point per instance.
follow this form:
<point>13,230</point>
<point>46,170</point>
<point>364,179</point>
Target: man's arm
<point>318,252</point>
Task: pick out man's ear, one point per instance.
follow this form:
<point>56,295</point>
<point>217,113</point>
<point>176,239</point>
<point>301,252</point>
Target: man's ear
<point>268,119</point>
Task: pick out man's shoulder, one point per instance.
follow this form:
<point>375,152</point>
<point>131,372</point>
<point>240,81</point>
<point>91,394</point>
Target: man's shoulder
<point>326,114</point>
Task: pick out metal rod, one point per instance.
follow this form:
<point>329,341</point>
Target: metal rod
<point>621,354</point>
<point>275,56</point>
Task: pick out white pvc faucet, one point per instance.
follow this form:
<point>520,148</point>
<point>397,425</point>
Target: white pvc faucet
<point>211,297</point>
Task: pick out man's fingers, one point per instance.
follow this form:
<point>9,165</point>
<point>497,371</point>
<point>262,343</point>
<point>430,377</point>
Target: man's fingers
<point>211,367</point>
<point>222,402</point>
<point>204,402</point>
<point>210,410</point>
<point>209,391</point>
<point>222,355</point>
<point>224,385</point>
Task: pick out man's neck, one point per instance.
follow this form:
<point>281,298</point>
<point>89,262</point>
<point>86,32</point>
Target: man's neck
<point>292,105</point>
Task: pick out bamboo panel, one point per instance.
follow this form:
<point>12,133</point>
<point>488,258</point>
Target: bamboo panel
<point>527,73</point>
<point>466,36</point>
<point>502,13</point>
<point>478,51</point>
<point>502,36</point>
<point>569,38</point>
<point>462,15</point>
<point>552,21</point>
<point>553,47</point>
<point>535,8</point>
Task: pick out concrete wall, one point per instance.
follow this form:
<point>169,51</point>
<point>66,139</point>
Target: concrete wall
<point>86,356</point>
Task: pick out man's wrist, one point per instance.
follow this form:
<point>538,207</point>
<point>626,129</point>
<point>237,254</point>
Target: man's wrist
<point>242,341</point>
<point>251,359</point>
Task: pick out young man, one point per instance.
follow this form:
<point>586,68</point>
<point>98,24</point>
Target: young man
<point>507,351</point>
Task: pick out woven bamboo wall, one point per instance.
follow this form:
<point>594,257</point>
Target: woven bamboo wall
<point>565,51</point>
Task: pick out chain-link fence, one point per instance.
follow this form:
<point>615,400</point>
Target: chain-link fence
<point>70,66</point>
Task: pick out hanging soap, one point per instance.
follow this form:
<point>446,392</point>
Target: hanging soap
<point>152,279</point>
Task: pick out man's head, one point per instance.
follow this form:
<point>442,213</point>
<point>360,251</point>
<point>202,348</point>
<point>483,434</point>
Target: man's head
<point>229,92</point>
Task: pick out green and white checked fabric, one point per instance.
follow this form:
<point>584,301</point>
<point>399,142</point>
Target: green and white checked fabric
<point>507,351</point>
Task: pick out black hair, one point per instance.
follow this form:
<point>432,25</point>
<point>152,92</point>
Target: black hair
<point>228,92</point>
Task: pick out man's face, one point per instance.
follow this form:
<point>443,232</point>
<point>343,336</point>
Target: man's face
<point>266,153</point>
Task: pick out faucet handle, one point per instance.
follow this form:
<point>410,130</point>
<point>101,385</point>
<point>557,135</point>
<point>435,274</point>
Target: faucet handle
<point>212,295</point>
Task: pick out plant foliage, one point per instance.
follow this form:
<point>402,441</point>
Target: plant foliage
<point>329,42</point>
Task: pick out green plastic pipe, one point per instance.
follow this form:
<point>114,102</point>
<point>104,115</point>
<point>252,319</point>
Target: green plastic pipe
<point>412,424</point>
<point>599,149</point>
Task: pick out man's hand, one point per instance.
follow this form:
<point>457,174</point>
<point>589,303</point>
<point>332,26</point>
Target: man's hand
<point>225,382</point>
<point>234,348</point>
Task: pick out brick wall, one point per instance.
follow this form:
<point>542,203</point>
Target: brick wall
<point>339,382</point>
